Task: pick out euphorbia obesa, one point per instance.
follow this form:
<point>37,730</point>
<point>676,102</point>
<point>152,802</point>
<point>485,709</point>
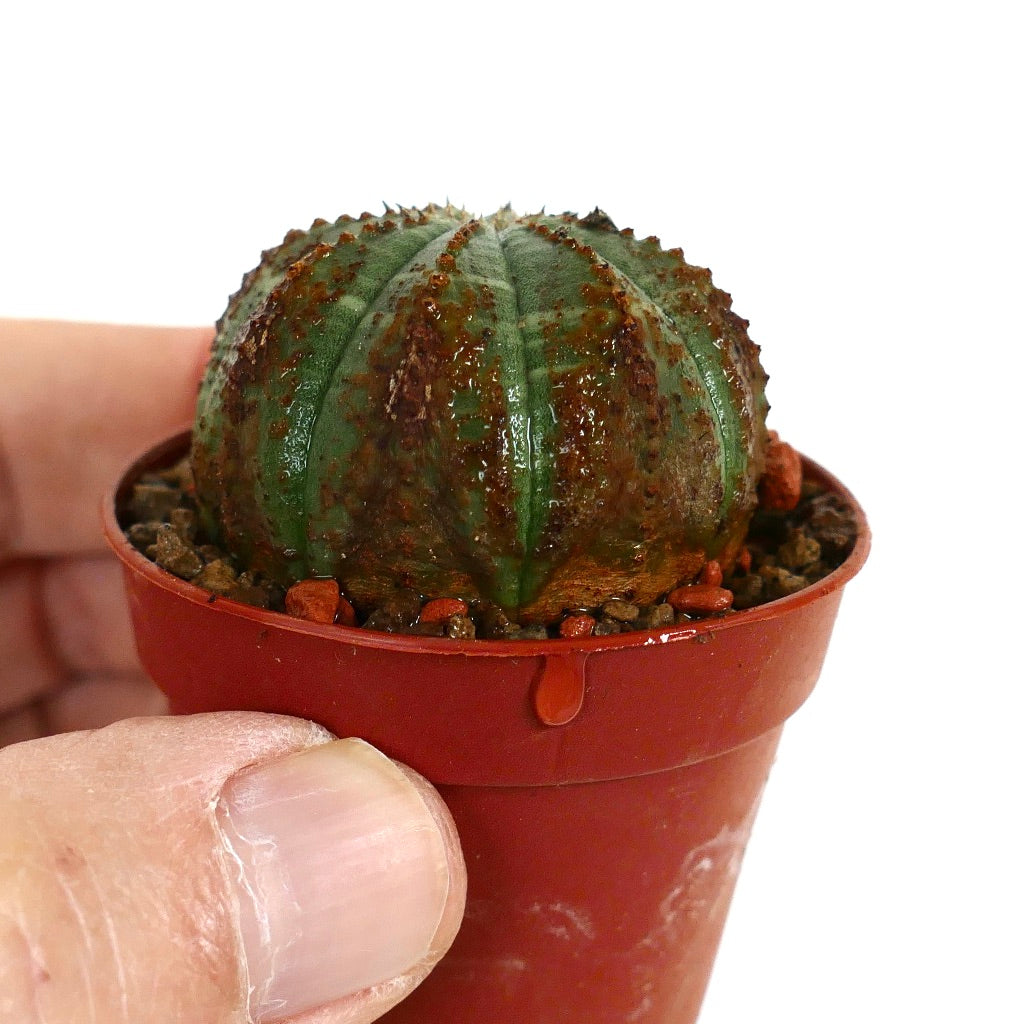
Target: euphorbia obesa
<point>539,411</point>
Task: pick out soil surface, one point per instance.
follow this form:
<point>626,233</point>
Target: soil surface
<point>792,542</point>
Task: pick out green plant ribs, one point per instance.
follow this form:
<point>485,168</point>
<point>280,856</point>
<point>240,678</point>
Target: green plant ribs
<point>540,411</point>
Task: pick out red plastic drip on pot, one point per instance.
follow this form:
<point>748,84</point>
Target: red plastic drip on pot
<point>558,693</point>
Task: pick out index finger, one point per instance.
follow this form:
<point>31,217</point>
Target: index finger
<point>76,402</point>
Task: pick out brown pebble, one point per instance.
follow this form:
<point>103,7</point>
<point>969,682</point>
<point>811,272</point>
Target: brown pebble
<point>402,602</point>
<point>620,611</point>
<point>175,555</point>
<point>493,623</point>
<point>460,627</point>
<point>250,593</point>
<point>833,525</point>
<point>218,577</point>
<point>153,501</point>
<point>275,595</point>
<point>711,574</point>
<point>315,600</point>
<point>443,608</point>
<point>655,616</point>
<point>780,582</point>
<point>384,622</point>
<point>779,490</point>
<point>799,551</point>
<point>608,627</point>
<point>400,609</point>
<point>184,522</point>
<point>700,599</point>
<point>747,590</point>
<point>576,626</point>
<point>143,535</point>
<point>533,632</point>
<point>179,475</point>
<point>816,571</point>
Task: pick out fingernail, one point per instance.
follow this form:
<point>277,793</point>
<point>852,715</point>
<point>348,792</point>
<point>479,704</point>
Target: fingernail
<point>342,875</point>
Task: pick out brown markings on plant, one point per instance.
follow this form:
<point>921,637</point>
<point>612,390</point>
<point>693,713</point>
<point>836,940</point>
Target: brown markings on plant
<point>410,388</point>
<point>687,292</point>
<point>634,540</point>
<point>690,292</point>
<point>269,359</point>
<point>598,500</point>
<point>413,370</point>
<point>474,465</point>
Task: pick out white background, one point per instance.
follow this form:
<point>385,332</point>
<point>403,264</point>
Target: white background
<point>850,173</point>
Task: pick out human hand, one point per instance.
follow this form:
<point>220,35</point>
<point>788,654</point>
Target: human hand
<point>177,870</point>
<point>76,402</point>
<point>161,870</point>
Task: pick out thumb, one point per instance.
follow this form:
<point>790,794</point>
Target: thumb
<point>216,867</point>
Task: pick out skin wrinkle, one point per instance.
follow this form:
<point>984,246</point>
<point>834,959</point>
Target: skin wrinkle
<point>127,875</point>
<point>87,952</point>
<point>26,956</point>
<point>114,945</point>
<point>34,958</point>
<point>83,926</point>
<point>233,874</point>
<point>227,856</point>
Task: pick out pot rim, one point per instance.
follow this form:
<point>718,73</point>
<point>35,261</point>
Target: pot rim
<point>161,454</point>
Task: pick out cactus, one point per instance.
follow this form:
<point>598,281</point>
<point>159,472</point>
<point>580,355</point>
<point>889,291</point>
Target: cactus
<point>543,412</point>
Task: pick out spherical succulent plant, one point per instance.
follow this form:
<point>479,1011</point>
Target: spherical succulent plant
<point>542,412</point>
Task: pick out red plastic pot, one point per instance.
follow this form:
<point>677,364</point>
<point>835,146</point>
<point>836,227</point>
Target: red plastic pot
<point>603,789</point>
